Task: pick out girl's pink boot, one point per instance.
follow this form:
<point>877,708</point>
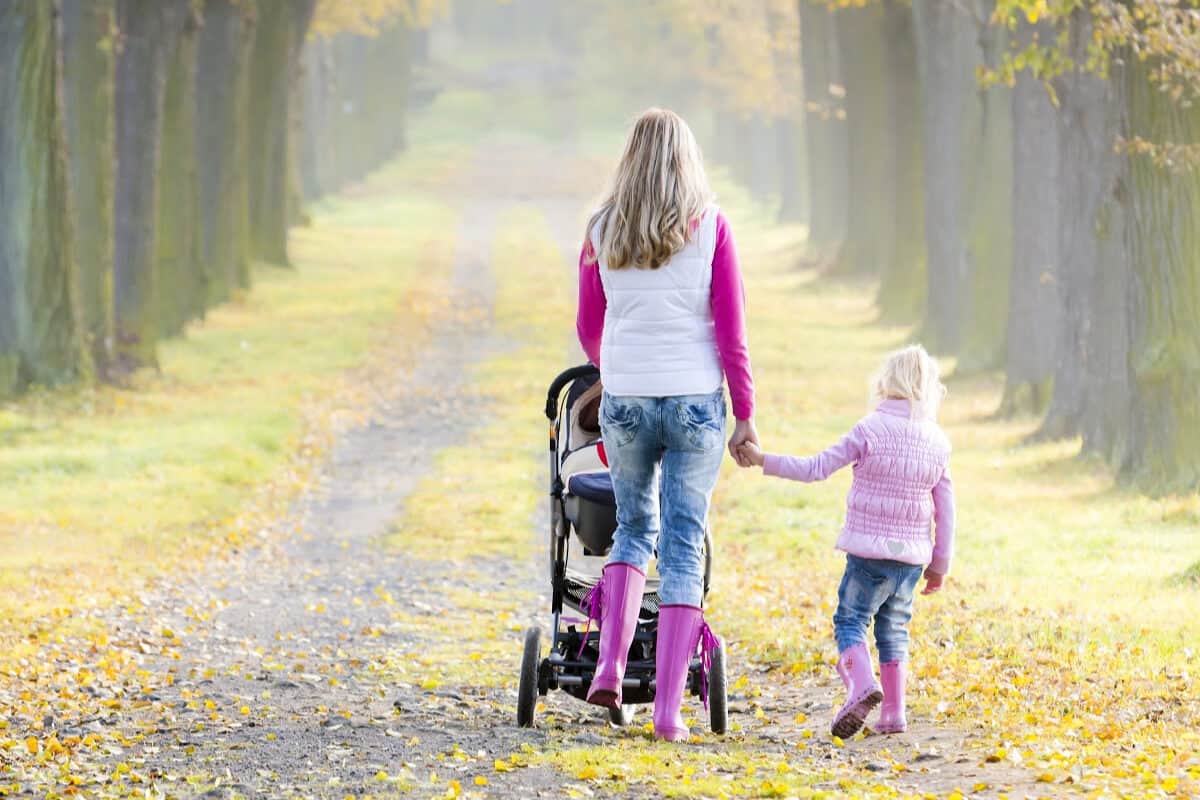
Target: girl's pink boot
<point>891,713</point>
<point>862,690</point>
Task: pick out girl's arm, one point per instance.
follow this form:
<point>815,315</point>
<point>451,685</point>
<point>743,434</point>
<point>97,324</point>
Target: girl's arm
<point>851,449</point>
<point>589,321</point>
<point>943,525</point>
<point>729,319</point>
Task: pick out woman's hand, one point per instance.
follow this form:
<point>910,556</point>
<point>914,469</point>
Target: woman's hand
<point>751,454</point>
<point>743,431</point>
<point>933,582</point>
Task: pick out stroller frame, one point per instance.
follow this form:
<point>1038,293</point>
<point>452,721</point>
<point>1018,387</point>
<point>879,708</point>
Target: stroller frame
<point>571,662</point>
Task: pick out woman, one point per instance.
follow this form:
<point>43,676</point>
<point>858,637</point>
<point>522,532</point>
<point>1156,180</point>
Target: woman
<point>661,312</point>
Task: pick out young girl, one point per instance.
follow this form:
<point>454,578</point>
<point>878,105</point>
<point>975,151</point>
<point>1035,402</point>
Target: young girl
<point>901,483</point>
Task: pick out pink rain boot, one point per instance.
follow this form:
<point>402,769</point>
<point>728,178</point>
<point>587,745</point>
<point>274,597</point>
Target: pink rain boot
<point>619,597</point>
<point>891,713</point>
<point>863,692</point>
<point>679,629</point>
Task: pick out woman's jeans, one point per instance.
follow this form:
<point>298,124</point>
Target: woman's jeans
<point>879,589</point>
<point>664,454</point>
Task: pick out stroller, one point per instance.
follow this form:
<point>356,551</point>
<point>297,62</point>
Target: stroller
<point>582,502</point>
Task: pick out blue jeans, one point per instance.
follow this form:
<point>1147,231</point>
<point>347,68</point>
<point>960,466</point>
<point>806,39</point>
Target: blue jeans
<point>664,454</point>
<point>879,589</point>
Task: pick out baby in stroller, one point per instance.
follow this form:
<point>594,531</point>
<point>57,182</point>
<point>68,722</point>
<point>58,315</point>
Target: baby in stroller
<point>583,520</point>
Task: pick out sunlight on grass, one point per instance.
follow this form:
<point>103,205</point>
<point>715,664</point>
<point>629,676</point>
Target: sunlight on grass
<point>103,485</point>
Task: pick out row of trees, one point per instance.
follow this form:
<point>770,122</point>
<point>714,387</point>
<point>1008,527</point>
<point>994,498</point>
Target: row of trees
<point>1024,179</point>
<point>150,152</point>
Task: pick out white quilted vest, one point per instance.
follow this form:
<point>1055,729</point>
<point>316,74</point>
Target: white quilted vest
<point>659,339</point>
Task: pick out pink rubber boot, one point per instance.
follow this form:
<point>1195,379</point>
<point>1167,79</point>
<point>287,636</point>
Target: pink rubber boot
<point>862,691</point>
<point>678,635</point>
<point>891,713</point>
<point>620,598</point>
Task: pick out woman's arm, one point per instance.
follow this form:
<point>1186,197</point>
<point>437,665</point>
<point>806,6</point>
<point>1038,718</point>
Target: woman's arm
<point>589,321</point>
<point>729,319</point>
<point>850,449</point>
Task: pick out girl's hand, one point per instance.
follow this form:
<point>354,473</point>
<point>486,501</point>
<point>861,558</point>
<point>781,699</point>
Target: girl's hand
<point>743,431</point>
<point>933,582</point>
<point>751,454</point>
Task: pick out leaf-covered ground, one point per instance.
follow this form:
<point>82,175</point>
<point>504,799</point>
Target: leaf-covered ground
<point>352,627</point>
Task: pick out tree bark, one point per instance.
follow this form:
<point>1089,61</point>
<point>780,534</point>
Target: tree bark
<point>1033,290</point>
<point>789,149</point>
<point>824,129</point>
<point>990,229</point>
<point>40,339</point>
<point>182,279</point>
<point>279,35</point>
<point>89,65</point>
<point>946,47</point>
<point>868,245</point>
<point>1090,223</point>
<point>1154,439</point>
<point>148,31</point>
<point>902,285</point>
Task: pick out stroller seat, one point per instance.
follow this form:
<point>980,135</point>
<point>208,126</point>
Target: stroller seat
<point>588,501</point>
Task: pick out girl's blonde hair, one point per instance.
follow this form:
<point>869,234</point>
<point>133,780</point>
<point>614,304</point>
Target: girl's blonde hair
<point>658,191</point>
<point>910,374</point>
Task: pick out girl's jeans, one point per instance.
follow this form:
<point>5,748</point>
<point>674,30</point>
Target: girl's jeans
<point>879,589</point>
<point>664,454</point>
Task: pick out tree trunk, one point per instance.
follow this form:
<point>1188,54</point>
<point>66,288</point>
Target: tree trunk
<point>868,245</point>
<point>89,65</point>
<point>1089,223</point>
<point>279,35</point>
<point>222,112</point>
<point>1033,291</point>
<point>181,276</point>
<point>1155,439</point>
<point>824,129</point>
<point>946,48</point>
<point>902,284</point>
<point>990,230</point>
<point>789,148</point>
<point>148,34</point>
<point>40,339</point>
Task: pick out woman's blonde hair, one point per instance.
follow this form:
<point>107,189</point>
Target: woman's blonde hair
<point>910,374</point>
<point>658,192</point>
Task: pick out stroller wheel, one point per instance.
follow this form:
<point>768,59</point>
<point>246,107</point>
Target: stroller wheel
<point>527,690</point>
<point>718,706</point>
<point>621,716</point>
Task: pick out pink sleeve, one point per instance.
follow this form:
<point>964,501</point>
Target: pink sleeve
<point>589,321</point>
<point>729,319</point>
<point>849,450</point>
<point>943,524</point>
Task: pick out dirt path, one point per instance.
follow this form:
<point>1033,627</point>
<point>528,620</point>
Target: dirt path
<point>295,667</point>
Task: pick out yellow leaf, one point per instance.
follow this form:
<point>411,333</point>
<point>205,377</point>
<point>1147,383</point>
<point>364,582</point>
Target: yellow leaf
<point>502,766</point>
<point>480,780</point>
<point>32,745</point>
<point>587,773</point>
<point>245,710</point>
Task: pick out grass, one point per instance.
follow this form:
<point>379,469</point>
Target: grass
<point>103,487</point>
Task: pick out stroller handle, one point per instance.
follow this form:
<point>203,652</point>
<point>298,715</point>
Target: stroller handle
<point>562,380</point>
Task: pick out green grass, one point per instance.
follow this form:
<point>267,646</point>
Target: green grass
<point>104,485</point>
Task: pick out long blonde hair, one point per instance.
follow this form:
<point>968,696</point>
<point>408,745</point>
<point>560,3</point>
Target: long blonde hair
<point>910,374</point>
<point>657,193</point>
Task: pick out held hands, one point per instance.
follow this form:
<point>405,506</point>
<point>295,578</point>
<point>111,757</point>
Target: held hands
<point>933,582</point>
<point>743,432</point>
<point>750,455</point>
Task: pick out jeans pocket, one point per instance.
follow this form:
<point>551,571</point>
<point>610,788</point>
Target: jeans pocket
<point>703,424</point>
<point>619,422</point>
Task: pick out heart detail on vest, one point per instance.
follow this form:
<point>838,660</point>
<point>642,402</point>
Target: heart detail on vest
<point>894,547</point>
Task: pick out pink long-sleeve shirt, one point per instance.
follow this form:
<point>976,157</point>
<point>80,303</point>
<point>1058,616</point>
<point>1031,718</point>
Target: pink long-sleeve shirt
<point>901,484</point>
<point>728,310</point>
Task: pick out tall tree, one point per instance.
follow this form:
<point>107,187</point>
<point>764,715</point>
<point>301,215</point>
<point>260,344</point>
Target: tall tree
<point>89,62</point>
<point>279,34</point>
<point>902,283</point>
<point>1035,274</point>
<point>148,32</point>
<point>824,128</point>
<point>40,337</point>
